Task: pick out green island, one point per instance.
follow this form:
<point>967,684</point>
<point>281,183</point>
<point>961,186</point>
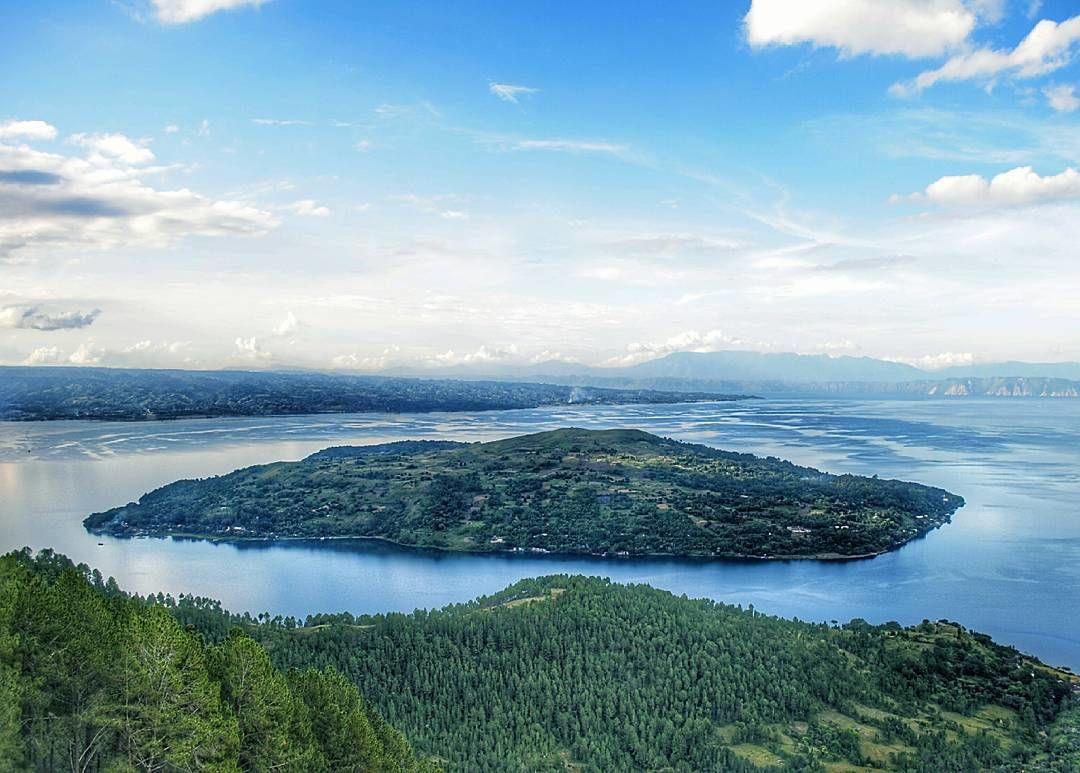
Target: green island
<point>567,491</point>
<point>552,674</point>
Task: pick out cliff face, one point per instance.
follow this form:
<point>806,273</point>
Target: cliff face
<point>1005,387</point>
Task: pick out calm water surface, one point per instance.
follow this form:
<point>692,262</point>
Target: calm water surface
<point>1009,564</point>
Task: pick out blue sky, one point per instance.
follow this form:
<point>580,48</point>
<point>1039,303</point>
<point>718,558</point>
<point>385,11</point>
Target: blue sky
<point>361,186</point>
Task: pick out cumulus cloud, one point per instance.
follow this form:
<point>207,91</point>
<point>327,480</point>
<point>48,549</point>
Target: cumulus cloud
<point>105,148</point>
<point>36,318</point>
<point>911,28</point>
<point>1048,47</point>
<point>46,355</point>
<point>1016,187</point>
<point>87,353</point>
<point>309,208</point>
<point>29,130</point>
<point>185,11</point>
<point>288,326</point>
<point>251,349</point>
<point>100,200</point>
<point>687,341</point>
<point>482,355</point>
<point>1062,98</point>
<point>353,361</point>
<point>508,92</point>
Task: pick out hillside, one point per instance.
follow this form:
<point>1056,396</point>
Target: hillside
<point>573,673</point>
<point>94,680</point>
<point>574,491</point>
<point>40,393</point>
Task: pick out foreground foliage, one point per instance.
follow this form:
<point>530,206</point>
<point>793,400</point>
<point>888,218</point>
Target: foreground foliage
<point>573,671</point>
<point>94,680</point>
<point>567,491</point>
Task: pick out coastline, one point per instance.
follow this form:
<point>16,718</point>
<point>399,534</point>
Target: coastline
<point>521,552</point>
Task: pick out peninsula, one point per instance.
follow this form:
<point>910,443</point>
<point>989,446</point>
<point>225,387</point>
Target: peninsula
<point>569,491</point>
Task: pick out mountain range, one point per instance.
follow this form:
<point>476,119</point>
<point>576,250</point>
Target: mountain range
<point>759,372</point>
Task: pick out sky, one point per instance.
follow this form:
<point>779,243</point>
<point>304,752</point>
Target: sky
<point>364,186</point>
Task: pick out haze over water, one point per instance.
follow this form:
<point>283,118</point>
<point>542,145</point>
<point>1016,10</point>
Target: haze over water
<point>1008,565</point>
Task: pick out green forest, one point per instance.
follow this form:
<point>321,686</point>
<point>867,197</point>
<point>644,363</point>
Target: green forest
<point>92,679</point>
<point>553,674</point>
<point>572,491</point>
<point>579,673</point>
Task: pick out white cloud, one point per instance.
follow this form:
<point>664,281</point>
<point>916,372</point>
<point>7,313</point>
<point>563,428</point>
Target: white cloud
<point>288,326</point>
<point>354,361</point>
<point>45,355</point>
<point>483,354</point>
<point>251,349</point>
<point>687,341</point>
<point>114,146</point>
<point>936,361</point>
<point>309,208</point>
<point>1048,47</point>
<point>31,130</point>
<point>87,353</point>
<point>279,122</point>
<point>509,92</point>
<point>171,129</point>
<point>204,128</point>
<point>185,11</point>
<point>1062,98</point>
<point>991,11</point>
<point>1019,186</point>
<point>571,146</point>
<point>363,145</point>
<point>100,200</point>
<point>912,28</point>
<point>432,205</point>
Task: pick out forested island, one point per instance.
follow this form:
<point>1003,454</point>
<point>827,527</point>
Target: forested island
<point>552,674</point>
<point>119,394</point>
<point>569,491</point>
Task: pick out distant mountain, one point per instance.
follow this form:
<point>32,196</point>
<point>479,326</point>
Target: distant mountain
<point>758,366</point>
<point>764,373</point>
<point>39,393</point>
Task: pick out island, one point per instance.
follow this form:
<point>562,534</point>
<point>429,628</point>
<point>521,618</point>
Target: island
<point>572,491</point>
<point>36,393</point>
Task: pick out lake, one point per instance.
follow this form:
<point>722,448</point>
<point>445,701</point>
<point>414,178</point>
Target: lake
<point>1009,564</point>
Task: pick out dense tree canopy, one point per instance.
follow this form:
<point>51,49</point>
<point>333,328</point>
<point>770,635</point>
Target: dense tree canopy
<point>94,680</point>
<point>573,670</point>
<point>621,492</point>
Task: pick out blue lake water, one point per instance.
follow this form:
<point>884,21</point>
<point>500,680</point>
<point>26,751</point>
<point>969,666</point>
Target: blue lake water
<point>1009,564</point>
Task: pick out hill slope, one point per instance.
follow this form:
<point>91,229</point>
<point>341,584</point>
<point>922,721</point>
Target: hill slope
<point>568,491</point>
<point>94,680</point>
<point>570,672</point>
